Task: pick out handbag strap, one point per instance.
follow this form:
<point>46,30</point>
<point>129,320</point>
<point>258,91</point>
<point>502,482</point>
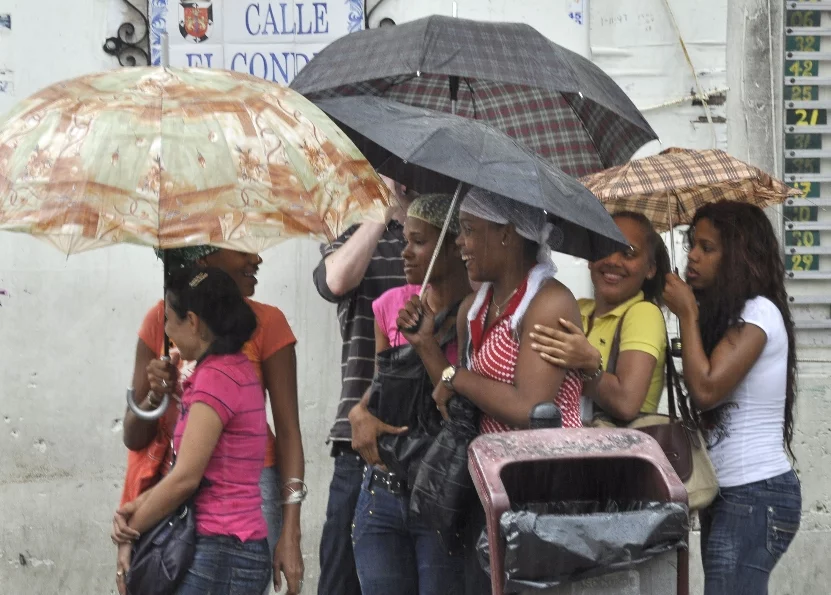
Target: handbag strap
<point>670,381</point>
<point>614,352</point>
<point>669,367</point>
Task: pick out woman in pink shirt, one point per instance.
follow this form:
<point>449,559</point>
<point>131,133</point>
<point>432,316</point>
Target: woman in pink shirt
<point>219,441</point>
<point>395,552</point>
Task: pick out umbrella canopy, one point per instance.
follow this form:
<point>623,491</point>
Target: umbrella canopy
<point>404,141</point>
<point>669,187</point>
<point>557,103</point>
<point>179,157</point>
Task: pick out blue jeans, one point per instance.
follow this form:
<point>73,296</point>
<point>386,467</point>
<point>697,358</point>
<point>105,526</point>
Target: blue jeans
<point>227,566</point>
<point>337,563</point>
<point>745,531</point>
<point>398,554</point>
<point>272,509</point>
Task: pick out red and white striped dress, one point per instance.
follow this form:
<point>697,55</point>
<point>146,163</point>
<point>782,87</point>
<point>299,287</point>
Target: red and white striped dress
<point>495,353</point>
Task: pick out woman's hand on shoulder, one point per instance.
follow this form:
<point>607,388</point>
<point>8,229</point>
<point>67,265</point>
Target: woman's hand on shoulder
<point>565,346</point>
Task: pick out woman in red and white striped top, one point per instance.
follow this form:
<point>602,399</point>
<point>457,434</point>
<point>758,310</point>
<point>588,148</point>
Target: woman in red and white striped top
<point>505,246</point>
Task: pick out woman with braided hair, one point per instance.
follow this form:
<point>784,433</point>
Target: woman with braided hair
<point>506,246</point>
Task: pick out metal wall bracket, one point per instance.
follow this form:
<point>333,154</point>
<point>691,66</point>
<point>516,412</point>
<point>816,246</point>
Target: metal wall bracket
<point>131,44</point>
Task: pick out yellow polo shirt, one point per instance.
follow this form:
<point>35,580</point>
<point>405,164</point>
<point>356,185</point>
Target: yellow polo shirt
<point>643,329</point>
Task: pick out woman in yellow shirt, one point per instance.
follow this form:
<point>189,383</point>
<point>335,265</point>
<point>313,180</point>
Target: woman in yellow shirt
<point>628,287</point>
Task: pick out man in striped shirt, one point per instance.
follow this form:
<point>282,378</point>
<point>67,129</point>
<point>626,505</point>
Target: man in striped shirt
<point>356,269</point>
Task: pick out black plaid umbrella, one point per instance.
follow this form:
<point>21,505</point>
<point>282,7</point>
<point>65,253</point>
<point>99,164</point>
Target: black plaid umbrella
<point>433,152</point>
<point>557,103</point>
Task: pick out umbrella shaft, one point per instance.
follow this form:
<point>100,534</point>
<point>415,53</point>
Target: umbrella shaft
<point>672,253</point>
<point>442,235</point>
<point>165,54</point>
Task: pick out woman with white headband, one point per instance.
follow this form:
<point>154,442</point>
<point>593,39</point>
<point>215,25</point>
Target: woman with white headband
<point>506,247</point>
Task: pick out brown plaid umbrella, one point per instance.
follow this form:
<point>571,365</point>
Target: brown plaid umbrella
<point>669,187</point>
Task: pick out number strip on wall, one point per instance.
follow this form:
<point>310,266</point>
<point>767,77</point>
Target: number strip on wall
<point>807,100</point>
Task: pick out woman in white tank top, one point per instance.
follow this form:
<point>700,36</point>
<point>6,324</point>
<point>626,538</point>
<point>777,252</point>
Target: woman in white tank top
<point>739,359</point>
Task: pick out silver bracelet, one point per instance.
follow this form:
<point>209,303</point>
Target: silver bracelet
<point>295,496</point>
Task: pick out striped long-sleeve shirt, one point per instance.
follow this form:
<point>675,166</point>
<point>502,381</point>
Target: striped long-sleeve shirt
<point>357,321</point>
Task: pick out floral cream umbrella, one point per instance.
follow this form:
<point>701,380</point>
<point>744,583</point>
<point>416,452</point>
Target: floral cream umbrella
<point>173,158</point>
<point>170,158</point>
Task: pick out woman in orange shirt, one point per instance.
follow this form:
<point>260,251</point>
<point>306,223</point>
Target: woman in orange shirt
<point>271,350</point>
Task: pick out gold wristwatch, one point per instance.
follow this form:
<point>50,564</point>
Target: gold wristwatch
<point>448,375</point>
<point>586,378</point>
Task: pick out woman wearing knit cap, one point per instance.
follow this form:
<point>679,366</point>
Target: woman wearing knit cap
<point>271,350</point>
<point>395,553</point>
<point>506,246</point>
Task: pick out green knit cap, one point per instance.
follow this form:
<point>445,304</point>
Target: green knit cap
<point>433,209</point>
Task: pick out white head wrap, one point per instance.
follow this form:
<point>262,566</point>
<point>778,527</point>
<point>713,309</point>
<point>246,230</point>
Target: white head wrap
<point>530,222</point>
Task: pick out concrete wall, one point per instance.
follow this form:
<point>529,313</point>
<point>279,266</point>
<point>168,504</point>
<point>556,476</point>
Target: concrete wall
<point>67,327</point>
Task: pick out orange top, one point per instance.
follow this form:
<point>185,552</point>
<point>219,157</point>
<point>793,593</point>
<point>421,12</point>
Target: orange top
<point>273,334</point>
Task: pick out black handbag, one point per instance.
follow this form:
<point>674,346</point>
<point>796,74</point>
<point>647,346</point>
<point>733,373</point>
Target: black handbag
<point>443,491</point>
<point>162,556</point>
<point>402,395</point>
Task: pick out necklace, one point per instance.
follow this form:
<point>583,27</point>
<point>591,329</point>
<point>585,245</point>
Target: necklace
<point>505,303</point>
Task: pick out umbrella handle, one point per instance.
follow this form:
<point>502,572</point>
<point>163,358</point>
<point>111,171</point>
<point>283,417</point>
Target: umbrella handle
<point>414,328</point>
<point>143,414</point>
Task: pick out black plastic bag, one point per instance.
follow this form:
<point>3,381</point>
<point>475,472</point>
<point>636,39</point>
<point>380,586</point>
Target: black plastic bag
<point>547,544</point>
<point>402,395</point>
<point>443,489</point>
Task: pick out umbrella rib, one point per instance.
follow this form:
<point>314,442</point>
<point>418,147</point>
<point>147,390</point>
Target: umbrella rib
<point>583,125</point>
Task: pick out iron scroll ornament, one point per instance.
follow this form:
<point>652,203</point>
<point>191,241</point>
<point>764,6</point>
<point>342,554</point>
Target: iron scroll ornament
<point>130,48</point>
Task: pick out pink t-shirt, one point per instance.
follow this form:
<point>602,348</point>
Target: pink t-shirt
<point>387,307</point>
<point>386,310</point>
<point>229,501</point>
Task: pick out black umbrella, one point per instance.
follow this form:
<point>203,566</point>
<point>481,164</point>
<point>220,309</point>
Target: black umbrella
<point>557,103</point>
<point>430,151</point>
